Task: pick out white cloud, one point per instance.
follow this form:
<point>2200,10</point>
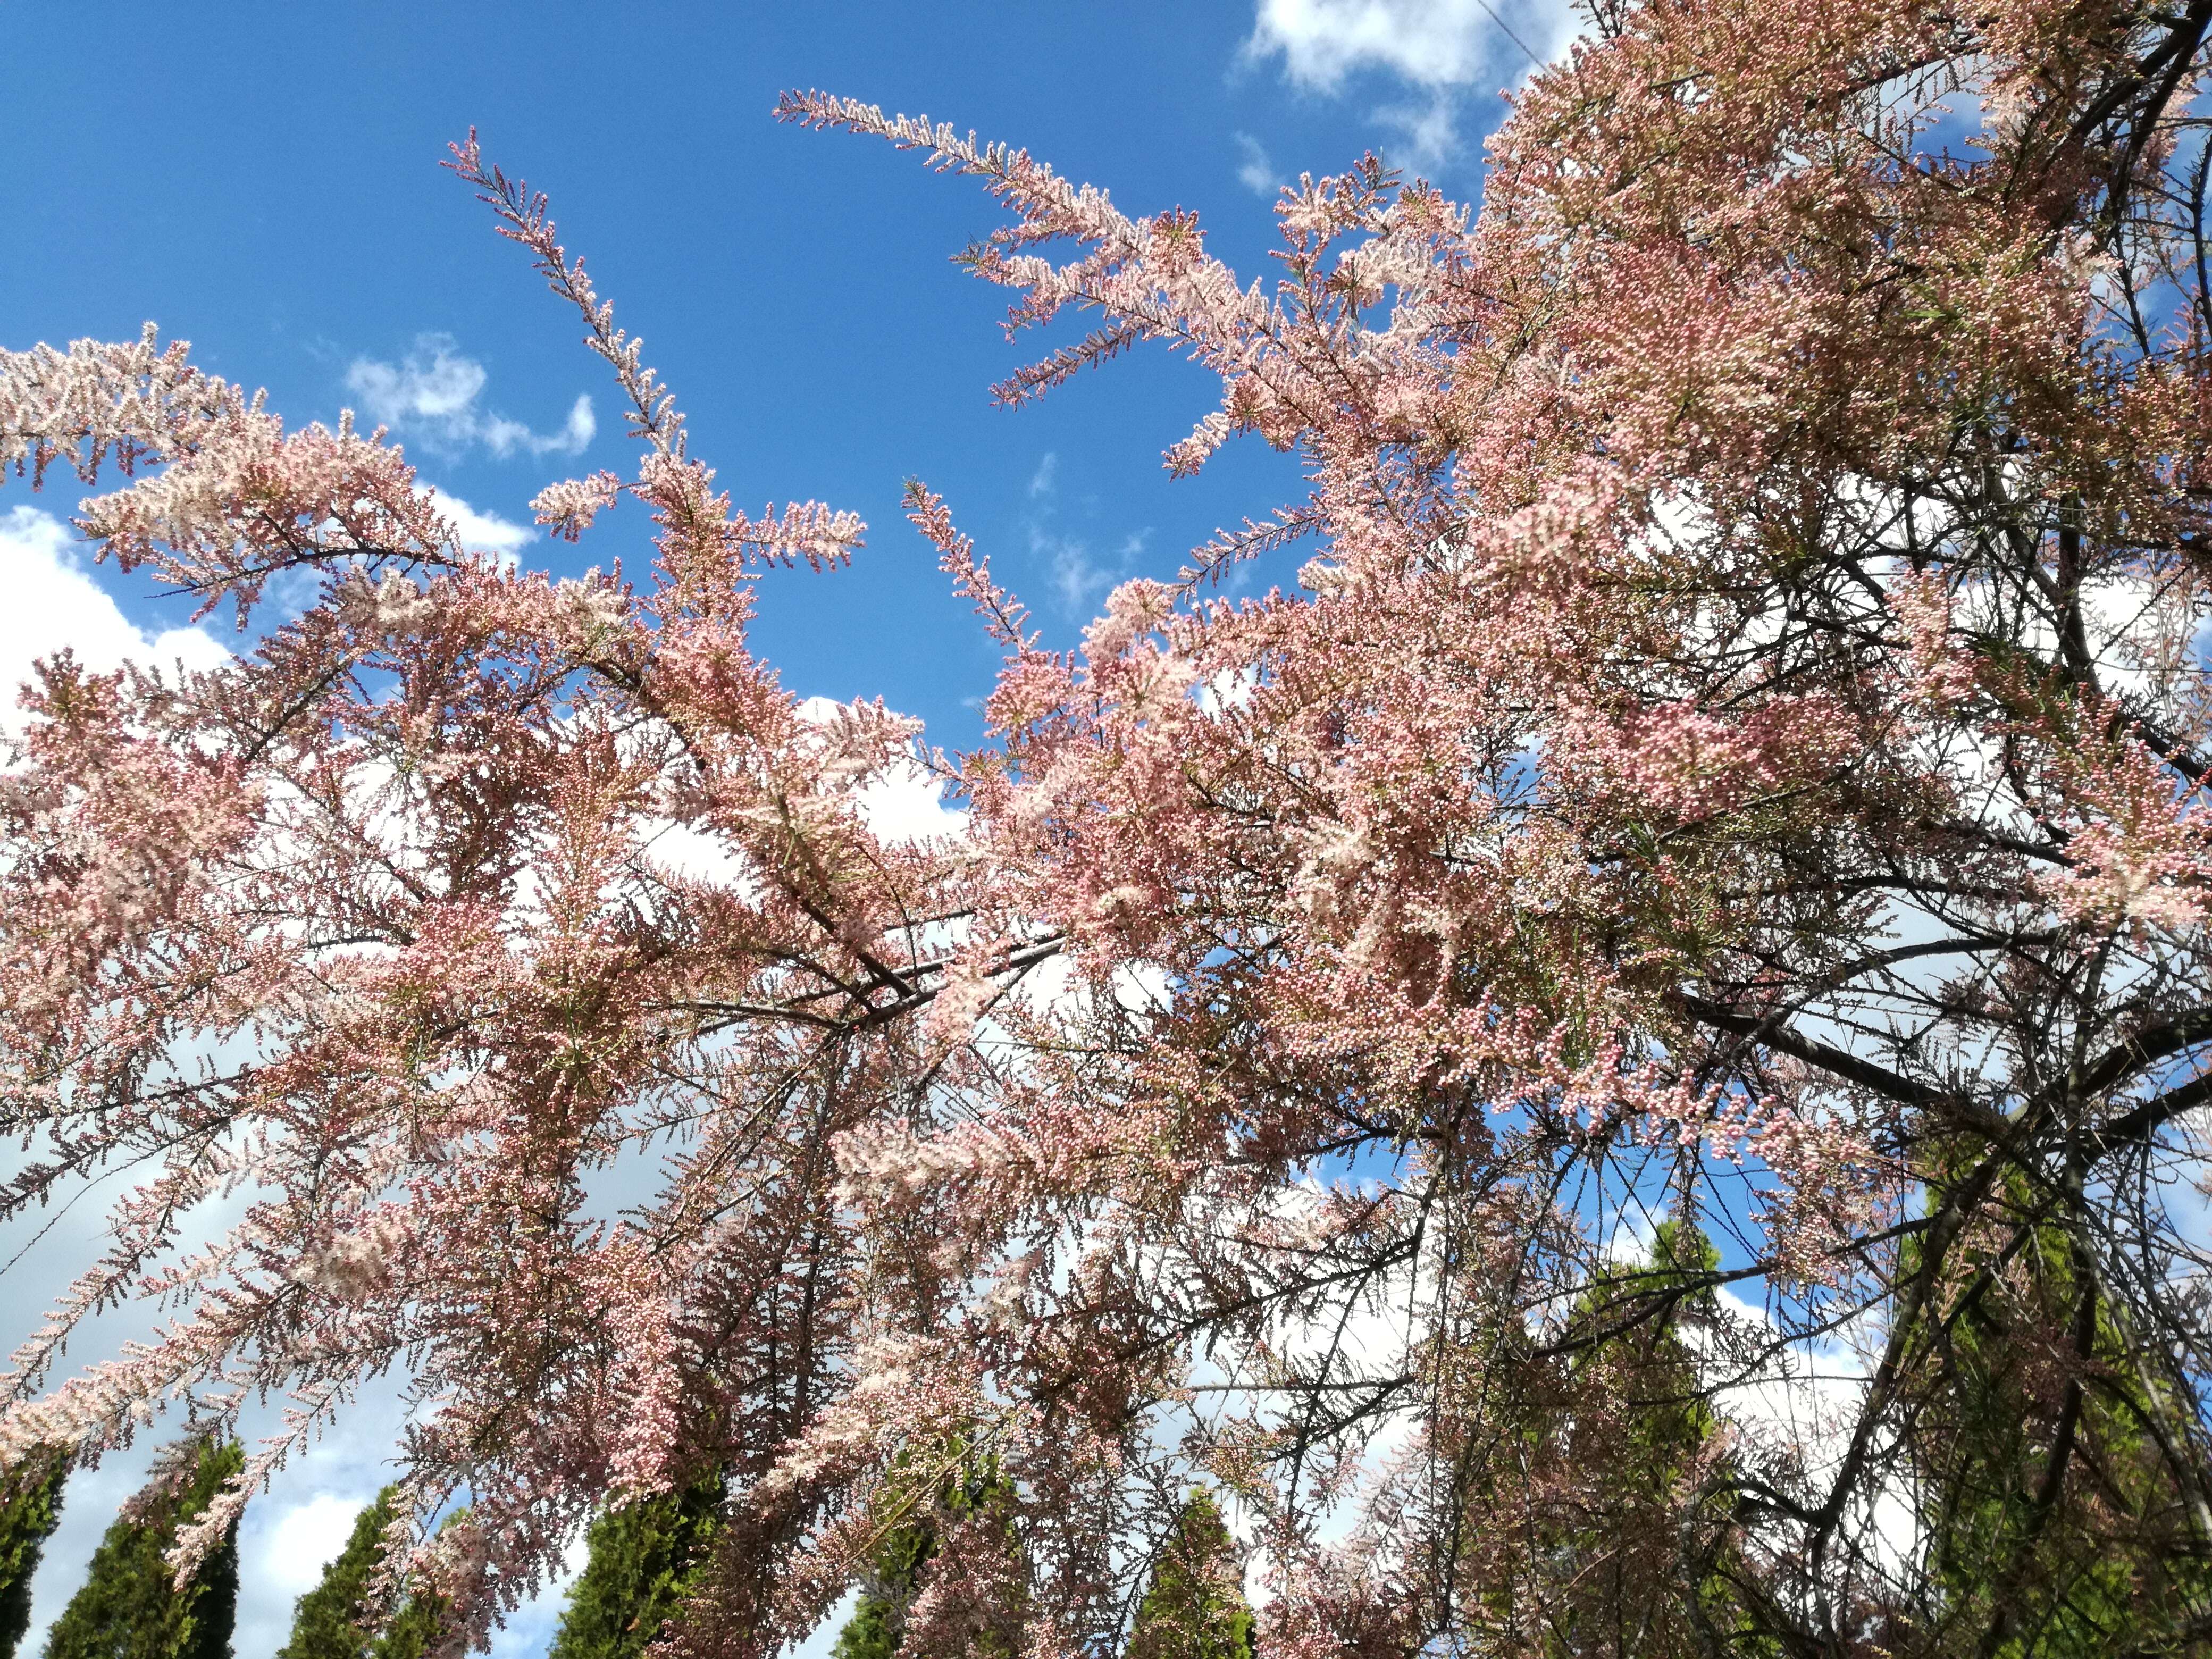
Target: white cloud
<point>54,602</point>
<point>1441,47</point>
<point>1257,174</point>
<point>1431,43</point>
<point>290,1547</point>
<point>433,392</point>
<point>907,804</point>
<point>1079,579</point>
<point>484,531</point>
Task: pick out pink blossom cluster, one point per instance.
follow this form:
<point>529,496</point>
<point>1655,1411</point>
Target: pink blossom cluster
<point>1691,770</point>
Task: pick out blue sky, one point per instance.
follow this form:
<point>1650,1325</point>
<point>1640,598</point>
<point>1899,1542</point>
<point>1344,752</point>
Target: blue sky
<point>262,180</point>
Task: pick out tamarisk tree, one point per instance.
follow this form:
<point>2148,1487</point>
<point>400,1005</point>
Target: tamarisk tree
<point>1725,730</point>
<point>488,881</point>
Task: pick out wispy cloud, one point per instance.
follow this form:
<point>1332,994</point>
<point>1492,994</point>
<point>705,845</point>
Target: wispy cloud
<point>1429,131</point>
<point>433,393</point>
<point>1079,578</point>
<point>1257,174</point>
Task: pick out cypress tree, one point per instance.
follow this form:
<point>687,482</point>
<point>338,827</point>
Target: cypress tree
<point>326,1622</point>
<point>877,1624</point>
<point>1194,1607</point>
<point>872,1632</point>
<point>414,1630</point>
<point>1636,1406</point>
<point>129,1606</point>
<point>2102,1562</point>
<point>30,1508</point>
<point>645,1560</point>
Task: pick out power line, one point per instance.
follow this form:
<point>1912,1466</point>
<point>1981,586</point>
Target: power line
<point>1506,29</point>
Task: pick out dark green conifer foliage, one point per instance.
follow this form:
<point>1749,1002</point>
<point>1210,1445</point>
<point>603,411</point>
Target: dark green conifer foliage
<point>30,1508</point>
<point>894,1578</point>
<point>415,1628</point>
<point>326,1622</point>
<point>1194,1607</point>
<point>129,1606</point>
<point>421,1620</point>
<point>1632,1403</point>
<point>645,1560</point>
<point>2100,1561</point>
<point>872,1632</point>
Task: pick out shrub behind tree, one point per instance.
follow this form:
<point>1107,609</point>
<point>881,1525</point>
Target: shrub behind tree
<point>327,1622</point>
<point>975,1491</point>
<point>644,1557</point>
<point>30,1509</point>
<point>1194,1607</point>
<point>130,1606</point>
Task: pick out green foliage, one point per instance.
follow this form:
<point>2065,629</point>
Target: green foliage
<point>326,1622</point>
<point>31,1509</point>
<point>872,1632</point>
<point>1670,1420</point>
<point>415,1628</point>
<point>1651,1556</point>
<point>645,1561</point>
<point>877,1624</point>
<point>1194,1607</point>
<point>2098,1559</point>
<point>129,1606</point>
